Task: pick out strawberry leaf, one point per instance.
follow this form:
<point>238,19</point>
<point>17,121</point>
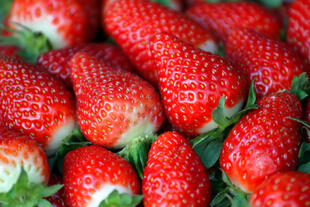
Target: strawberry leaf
<point>44,203</point>
<point>271,3</point>
<point>121,199</point>
<point>166,3</point>
<point>301,86</point>
<point>211,154</point>
<point>5,6</point>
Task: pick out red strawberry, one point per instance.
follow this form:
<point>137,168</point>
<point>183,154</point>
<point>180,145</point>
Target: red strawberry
<point>283,189</point>
<point>9,50</point>
<point>307,114</point>
<point>113,107</point>
<point>222,18</point>
<point>263,142</point>
<point>299,27</point>
<point>133,22</point>
<point>91,173</point>
<point>271,63</point>
<point>58,199</point>
<point>35,103</point>
<point>64,23</point>
<point>57,61</point>
<point>192,82</point>
<point>174,174</point>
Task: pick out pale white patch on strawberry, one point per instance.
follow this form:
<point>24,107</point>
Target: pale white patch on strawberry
<point>209,46</point>
<point>228,112</point>
<point>59,135</point>
<point>143,127</point>
<point>104,192</point>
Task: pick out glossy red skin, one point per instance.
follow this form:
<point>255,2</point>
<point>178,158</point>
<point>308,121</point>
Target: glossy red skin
<point>32,101</point>
<point>271,63</point>
<point>132,23</point>
<point>283,189</point>
<point>174,174</point>
<point>9,50</point>
<point>87,169</point>
<point>298,28</point>
<point>221,18</point>
<point>58,199</point>
<point>57,61</point>
<point>106,103</point>
<point>192,82</point>
<point>263,142</point>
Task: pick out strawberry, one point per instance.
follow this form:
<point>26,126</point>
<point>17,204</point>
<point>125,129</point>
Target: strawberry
<point>263,142</point>
<point>192,82</point>
<point>113,106</point>
<point>64,23</point>
<point>132,23</point>
<point>271,63</point>
<point>9,50</point>
<point>91,173</point>
<point>298,28</point>
<point>222,18</point>
<point>174,174</point>
<point>307,118</point>
<point>283,189</point>
<point>57,199</point>
<point>24,170</point>
<point>57,61</point>
<point>35,103</point>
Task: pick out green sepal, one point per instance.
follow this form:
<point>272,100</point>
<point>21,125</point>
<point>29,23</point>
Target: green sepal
<point>111,41</point>
<point>5,6</point>
<point>221,50</point>
<point>271,3</point>
<point>136,152</point>
<point>116,199</point>
<point>166,3</point>
<point>304,158</point>
<point>27,194</point>
<point>301,86</point>
<point>31,44</point>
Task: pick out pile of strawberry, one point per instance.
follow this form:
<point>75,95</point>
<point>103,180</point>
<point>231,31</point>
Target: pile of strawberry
<point>144,103</point>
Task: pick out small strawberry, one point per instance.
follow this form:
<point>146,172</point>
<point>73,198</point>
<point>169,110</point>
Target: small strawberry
<point>133,22</point>
<point>92,173</point>
<point>192,82</point>
<point>57,61</point>
<point>299,28</point>
<point>113,106</point>
<point>174,174</point>
<point>35,103</point>
<point>57,199</point>
<point>221,18</point>
<point>24,170</point>
<point>283,189</point>
<point>263,142</point>
<point>271,63</point>
<point>9,50</point>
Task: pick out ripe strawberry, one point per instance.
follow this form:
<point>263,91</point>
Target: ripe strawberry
<point>9,50</point>
<point>283,189</point>
<point>64,23</point>
<point>174,174</point>
<point>58,199</point>
<point>263,142</point>
<point>307,118</point>
<point>35,103</point>
<point>57,61</point>
<point>271,63</point>
<point>222,18</point>
<point>91,173</point>
<point>298,28</point>
<point>192,82</point>
<point>133,22</point>
<point>113,107</point>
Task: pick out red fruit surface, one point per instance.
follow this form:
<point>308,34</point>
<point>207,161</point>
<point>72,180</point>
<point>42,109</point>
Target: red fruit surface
<point>263,142</point>
<point>191,83</point>
<point>174,174</point>
<point>9,50</point>
<point>58,199</point>
<point>283,189</point>
<point>90,173</point>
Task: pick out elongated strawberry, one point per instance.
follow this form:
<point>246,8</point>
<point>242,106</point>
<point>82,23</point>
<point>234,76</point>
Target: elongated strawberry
<point>91,173</point>
<point>283,189</point>
<point>263,142</point>
<point>174,175</point>
<point>192,82</point>
<point>221,18</point>
<point>271,63</point>
<point>113,107</point>
<point>64,23</point>
<point>132,23</point>
<point>298,28</point>
<point>57,61</point>
<point>35,103</point>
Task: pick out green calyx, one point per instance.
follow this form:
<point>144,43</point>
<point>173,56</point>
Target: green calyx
<point>31,43</point>
<point>27,194</point>
<point>116,199</point>
<point>136,152</point>
<point>301,86</point>
<point>5,6</point>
